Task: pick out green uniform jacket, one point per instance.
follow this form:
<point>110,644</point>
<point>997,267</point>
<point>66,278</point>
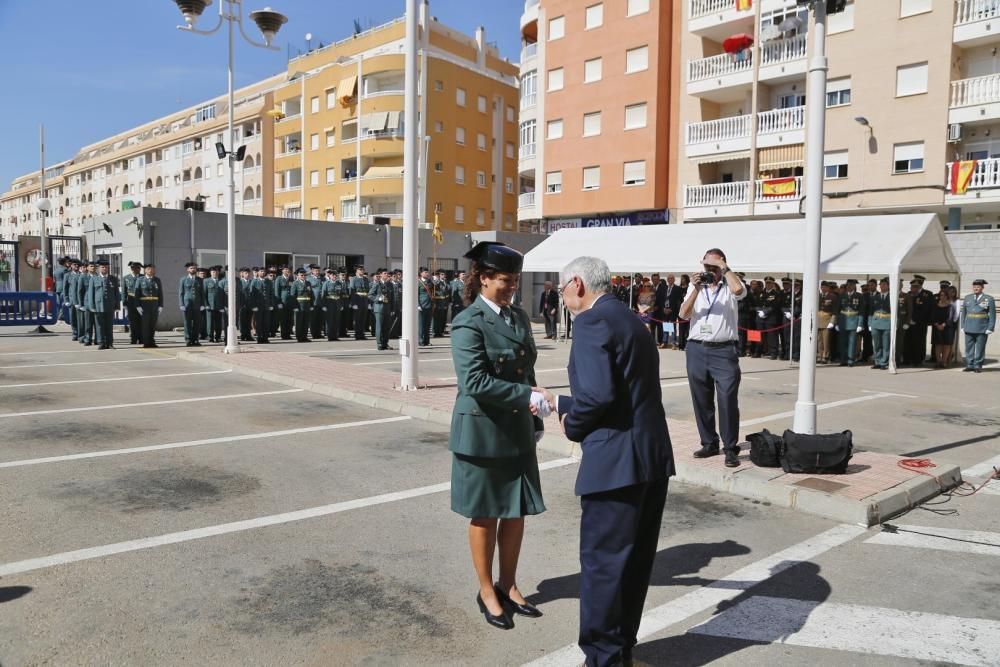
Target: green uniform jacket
<point>424,301</point>
<point>215,295</point>
<point>379,296</point>
<point>191,291</point>
<point>71,292</point>
<point>495,366</point>
<point>333,294</point>
<point>457,293</point>
<point>83,291</point>
<point>979,314</point>
<point>58,276</point>
<point>147,290</point>
<point>853,312</point>
<point>880,314</point>
<point>104,294</point>
<point>302,292</point>
<point>129,283</point>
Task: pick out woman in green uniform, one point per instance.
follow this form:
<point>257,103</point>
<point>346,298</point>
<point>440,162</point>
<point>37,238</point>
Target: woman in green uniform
<point>494,479</point>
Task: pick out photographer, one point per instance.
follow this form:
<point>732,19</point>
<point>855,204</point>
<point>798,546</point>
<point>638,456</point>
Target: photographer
<point>711,305</point>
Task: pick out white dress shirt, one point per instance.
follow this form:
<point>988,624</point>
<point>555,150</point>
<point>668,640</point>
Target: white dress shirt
<point>715,314</point>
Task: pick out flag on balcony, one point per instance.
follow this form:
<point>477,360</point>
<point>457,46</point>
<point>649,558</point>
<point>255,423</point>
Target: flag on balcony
<point>778,187</point>
<point>961,175</point>
<point>743,5</point>
<point>438,236</point>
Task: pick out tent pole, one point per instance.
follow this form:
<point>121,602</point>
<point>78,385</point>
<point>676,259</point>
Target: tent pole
<point>894,312</point>
<point>791,325</point>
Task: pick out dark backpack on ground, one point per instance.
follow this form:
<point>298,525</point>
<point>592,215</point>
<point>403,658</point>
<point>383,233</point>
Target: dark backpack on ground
<point>765,449</point>
<point>817,454</point>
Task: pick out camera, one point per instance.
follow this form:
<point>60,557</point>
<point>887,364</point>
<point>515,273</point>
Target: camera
<point>706,277</point>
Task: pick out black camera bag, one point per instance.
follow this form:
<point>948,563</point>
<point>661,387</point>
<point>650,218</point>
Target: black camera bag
<point>817,454</point>
<point>765,449</point>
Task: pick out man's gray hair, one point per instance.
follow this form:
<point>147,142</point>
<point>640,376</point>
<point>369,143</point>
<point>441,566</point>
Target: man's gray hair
<point>593,271</point>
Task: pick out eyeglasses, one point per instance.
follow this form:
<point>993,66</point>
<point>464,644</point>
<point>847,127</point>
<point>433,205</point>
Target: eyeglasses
<point>562,288</point>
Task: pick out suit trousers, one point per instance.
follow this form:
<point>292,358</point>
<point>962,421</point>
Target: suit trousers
<point>550,322</point>
<point>104,327</point>
<point>848,345</point>
<point>134,324</point>
<point>975,349</point>
<point>302,320</point>
<point>331,313</point>
<point>285,320</point>
<point>74,321</point>
<point>424,326</point>
<point>916,344</point>
<point>317,321</point>
<point>150,315</point>
<point>880,346</point>
<point>619,530</point>
<point>263,326</point>
<point>213,324</point>
<point>360,321</point>
<point>192,323</point>
<point>711,371</point>
<point>87,329</point>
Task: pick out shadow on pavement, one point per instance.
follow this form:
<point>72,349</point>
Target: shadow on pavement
<point>8,593</point>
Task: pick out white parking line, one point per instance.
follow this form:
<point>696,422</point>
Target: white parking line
<point>942,539</point>
<point>398,360</point>
<point>136,405</point>
<point>983,469</point>
<point>821,406</point>
<point>78,555</point>
<point>697,601</point>
<point>850,627</point>
<point>199,443</point>
<point>93,363</point>
<point>122,379</point>
<point>42,354</point>
<point>439,347</point>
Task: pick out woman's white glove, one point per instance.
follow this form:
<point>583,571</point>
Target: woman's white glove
<point>539,406</point>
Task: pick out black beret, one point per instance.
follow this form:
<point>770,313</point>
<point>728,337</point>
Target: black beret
<point>496,255</point>
<point>300,271</point>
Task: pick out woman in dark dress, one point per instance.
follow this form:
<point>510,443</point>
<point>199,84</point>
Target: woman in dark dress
<point>683,327</point>
<point>494,480</point>
<point>942,328</point>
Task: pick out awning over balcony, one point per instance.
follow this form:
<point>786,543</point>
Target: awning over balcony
<point>346,89</point>
<point>722,157</point>
<point>384,172</point>
<point>780,157</point>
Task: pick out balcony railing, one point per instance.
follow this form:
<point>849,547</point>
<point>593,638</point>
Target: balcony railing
<point>783,50</point>
<point>717,194</point>
<point>294,116</point>
<point>383,93</point>
<point>737,127</point>
<point>980,90</point>
<point>761,198</point>
<point>526,151</point>
<point>970,11</point>
<point>781,120</point>
<point>526,199</point>
<point>290,188</point>
<point>529,51</point>
<point>704,7</point>
<point>720,65</point>
<point>528,101</point>
<point>985,175</point>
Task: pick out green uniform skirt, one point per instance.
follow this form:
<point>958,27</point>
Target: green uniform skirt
<point>504,488</point>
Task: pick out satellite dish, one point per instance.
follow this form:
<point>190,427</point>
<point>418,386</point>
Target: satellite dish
<point>309,35</point>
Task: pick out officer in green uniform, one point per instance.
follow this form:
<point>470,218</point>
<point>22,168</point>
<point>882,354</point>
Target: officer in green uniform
<point>244,314</point>
<point>331,294</point>
<point>457,288</point>
<point>359,287</point>
<point>131,304</point>
<point>397,305</point>
<point>425,306</point>
<point>262,305</point>
<point>224,286</point>
<point>769,308</point>
<point>215,303</point>
<point>104,300</point>
<point>880,324</point>
<point>903,306</point>
<point>58,280</point>
<point>493,433</point>
<point>979,320</point>
<point>380,296</point>
<point>793,311</point>
<point>87,335</point>
<point>442,297</point>
<point>285,302</point>
<point>826,320</point>
<point>149,294</point>
<point>191,298</point>
<point>850,321</point>
<point>315,280</point>
<point>302,292</point>
<point>346,314</point>
<point>69,286</point>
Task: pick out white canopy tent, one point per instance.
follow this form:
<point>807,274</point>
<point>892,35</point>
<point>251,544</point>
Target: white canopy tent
<point>852,247</point>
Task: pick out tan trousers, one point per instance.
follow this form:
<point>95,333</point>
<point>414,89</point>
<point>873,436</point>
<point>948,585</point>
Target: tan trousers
<point>823,336</point>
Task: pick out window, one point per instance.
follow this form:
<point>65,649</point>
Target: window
<point>205,113</point>
<point>591,178</point>
<point>331,175</point>
<point>637,59</point>
<point>481,104</point>
<point>911,79</point>
<point>510,150</point>
<point>439,167</point>
<point>438,85</point>
<point>838,92</point>
<point>460,174</point>
<point>313,178</point>
<point>636,7</point>
<point>314,106</point>
<point>480,216</point>
<point>842,21</point>
<point>460,214</point>
<point>438,126</point>
<point>218,200</point>
<point>592,70</point>
<point>556,79</point>
<point>460,136</point>
<point>635,173</point>
<point>510,114</point>
<point>481,141</point>
<point>186,149</point>
<point>460,97</point>
<point>508,185</point>
<point>594,17</point>
<point>528,129</point>
<point>218,170</point>
<point>908,158</point>
<point>328,214</point>
<point>331,138</point>
<point>554,129</point>
<point>635,116</point>
<point>791,100</point>
<point>313,142</point>
<point>911,7</point>
<point>553,182</point>
<point>331,98</point>
<point>348,208</point>
<point>481,179</point>
<point>314,214</point>
<point>592,124</point>
<point>557,28</point>
<point>835,165</point>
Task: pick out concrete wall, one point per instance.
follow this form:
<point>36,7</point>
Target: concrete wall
<point>978,254</point>
<point>168,243</point>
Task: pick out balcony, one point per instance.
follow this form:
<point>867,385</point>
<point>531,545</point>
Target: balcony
<point>976,99</point>
<point>984,186</point>
<point>717,19</point>
<point>781,126</point>
<point>530,14</point>
<point>783,59</point>
<point>717,200</point>
<point>528,52</point>
<point>717,78</point>
<point>976,22</point>
<point>783,204</point>
<point>528,101</point>
<point>718,136</point>
<point>526,199</point>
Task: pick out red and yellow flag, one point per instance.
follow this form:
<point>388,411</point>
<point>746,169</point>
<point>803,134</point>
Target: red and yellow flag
<point>961,175</point>
<point>743,5</point>
<point>778,187</point>
<point>438,236</point>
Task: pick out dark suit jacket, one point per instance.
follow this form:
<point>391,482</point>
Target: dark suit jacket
<point>675,297</point>
<point>616,411</point>
<point>550,303</point>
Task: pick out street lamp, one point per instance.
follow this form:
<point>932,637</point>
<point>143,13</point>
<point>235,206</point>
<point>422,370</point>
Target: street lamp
<point>268,22</point>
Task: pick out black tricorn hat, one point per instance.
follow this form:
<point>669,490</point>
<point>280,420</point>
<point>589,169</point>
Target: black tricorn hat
<point>496,255</point>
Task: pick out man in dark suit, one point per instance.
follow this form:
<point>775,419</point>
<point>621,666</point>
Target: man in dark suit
<point>617,415</point>
<point>675,297</point>
<point>549,307</point>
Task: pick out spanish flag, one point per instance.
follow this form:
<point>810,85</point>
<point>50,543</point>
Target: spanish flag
<point>961,175</point>
<point>778,187</point>
<point>743,5</point>
<point>438,236</point>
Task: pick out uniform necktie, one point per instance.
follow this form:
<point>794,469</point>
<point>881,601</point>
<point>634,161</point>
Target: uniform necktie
<point>507,315</point>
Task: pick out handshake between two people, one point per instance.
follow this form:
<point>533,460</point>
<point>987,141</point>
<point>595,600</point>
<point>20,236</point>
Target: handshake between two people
<point>542,402</point>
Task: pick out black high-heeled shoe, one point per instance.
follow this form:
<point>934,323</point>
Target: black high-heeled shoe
<point>526,609</point>
<point>501,621</point>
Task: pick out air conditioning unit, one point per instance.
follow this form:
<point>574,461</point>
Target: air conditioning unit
<point>954,132</point>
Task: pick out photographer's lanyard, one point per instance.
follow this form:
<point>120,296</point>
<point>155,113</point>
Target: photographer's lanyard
<point>711,303</point>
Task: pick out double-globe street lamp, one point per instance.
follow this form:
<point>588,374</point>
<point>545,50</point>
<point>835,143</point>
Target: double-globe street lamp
<point>269,22</point>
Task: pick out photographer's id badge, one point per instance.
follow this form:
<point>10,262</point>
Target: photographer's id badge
<point>706,329</point>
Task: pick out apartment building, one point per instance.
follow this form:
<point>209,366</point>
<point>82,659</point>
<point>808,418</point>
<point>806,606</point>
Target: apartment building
<point>595,131</point>
<point>913,86</point>
<point>324,142</point>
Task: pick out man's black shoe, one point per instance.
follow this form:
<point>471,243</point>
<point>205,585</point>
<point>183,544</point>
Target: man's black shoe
<point>707,451</point>
<point>732,458</point>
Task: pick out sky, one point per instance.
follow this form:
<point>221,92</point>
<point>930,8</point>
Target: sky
<point>88,70</point>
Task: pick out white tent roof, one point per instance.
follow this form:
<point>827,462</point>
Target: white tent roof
<point>852,246</point>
